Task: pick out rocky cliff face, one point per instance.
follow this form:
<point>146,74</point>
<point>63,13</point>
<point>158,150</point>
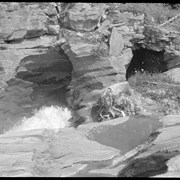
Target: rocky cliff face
<point>33,70</point>
<point>78,52</point>
<point>165,42</point>
<point>132,46</point>
<point>28,42</point>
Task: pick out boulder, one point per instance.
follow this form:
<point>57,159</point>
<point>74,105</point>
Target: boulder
<point>90,74</point>
<point>17,35</point>
<point>82,17</point>
<point>172,59</point>
<point>126,57</point>
<point>174,74</point>
<point>29,21</point>
<point>53,29</point>
<point>162,150</point>
<point>116,43</point>
<point>70,151</point>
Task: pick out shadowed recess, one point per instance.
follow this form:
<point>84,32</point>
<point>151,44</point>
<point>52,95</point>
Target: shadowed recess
<point>40,80</point>
<point>146,60</point>
<point>145,167</point>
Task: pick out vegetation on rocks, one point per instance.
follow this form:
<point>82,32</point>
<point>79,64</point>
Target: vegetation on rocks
<point>156,13</point>
<point>73,55</point>
<point>158,87</point>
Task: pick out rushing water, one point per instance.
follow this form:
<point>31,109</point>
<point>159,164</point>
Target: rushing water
<point>52,117</point>
<point>44,105</point>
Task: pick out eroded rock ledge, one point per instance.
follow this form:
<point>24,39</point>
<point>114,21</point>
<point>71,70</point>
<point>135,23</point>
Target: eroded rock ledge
<point>33,71</point>
<point>75,153</point>
<point>33,66</point>
<point>124,35</point>
<point>29,47</point>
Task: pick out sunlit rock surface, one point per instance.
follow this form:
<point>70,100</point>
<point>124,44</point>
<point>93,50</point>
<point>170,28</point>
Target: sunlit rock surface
<point>20,21</point>
<point>116,43</point>
<point>95,149</point>
<point>45,153</point>
<point>33,69</point>
<point>82,16</point>
<point>90,74</point>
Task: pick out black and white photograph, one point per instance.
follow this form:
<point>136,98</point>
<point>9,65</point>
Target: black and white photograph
<point>89,89</point>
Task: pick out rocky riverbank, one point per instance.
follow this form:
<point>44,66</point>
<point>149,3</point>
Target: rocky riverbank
<point>79,56</point>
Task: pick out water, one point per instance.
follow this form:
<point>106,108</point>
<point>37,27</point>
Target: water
<point>124,136</point>
<point>129,134</point>
<point>18,105</point>
<point>47,117</point>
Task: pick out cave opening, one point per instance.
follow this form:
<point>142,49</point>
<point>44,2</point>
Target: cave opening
<point>41,80</point>
<point>50,73</point>
<point>145,60</point>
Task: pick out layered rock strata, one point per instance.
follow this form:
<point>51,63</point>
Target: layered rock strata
<point>33,70</point>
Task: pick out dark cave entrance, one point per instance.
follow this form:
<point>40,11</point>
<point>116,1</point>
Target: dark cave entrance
<point>145,60</point>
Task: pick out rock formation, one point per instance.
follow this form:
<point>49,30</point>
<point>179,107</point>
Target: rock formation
<point>160,155</point>
<point>67,55</point>
<point>30,63</point>
<point>32,40</point>
<point>81,16</point>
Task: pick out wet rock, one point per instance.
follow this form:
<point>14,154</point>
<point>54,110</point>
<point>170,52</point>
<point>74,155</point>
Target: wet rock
<point>44,70</point>
<point>26,57</point>
<point>65,153</point>
<point>15,102</point>
<point>160,155</point>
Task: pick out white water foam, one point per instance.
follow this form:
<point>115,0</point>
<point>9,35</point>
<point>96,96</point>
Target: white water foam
<point>52,117</point>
